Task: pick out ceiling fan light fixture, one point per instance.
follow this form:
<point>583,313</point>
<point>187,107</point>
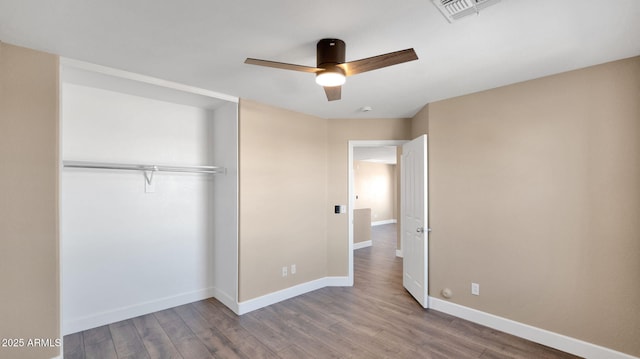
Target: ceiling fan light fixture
<point>331,77</point>
<point>331,69</point>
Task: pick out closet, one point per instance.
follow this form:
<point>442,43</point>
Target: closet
<point>148,195</point>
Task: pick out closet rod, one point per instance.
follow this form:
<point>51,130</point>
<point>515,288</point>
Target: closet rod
<point>145,168</point>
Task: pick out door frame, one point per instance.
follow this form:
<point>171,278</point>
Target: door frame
<point>351,191</point>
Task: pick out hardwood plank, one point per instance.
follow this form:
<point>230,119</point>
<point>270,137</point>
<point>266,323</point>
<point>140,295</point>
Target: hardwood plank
<point>211,310</point>
<point>293,352</point>
<point>302,306</point>
<point>380,345</point>
<point>223,309</point>
<point>98,343</point>
<point>188,345</point>
<point>238,335</point>
<point>215,341</point>
<point>367,314</point>
<point>273,338</point>
<point>299,322</point>
<point>282,326</point>
<point>74,346</point>
<point>127,341</point>
<point>154,338</point>
<point>491,354</point>
<point>341,311</point>
<point>450,347</point>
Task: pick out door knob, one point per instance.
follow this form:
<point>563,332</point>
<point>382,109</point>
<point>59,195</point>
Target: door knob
<point>420,230</point>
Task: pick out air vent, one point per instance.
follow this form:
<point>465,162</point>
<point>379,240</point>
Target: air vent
<point>456,9</point>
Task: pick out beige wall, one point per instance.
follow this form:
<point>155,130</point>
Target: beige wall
<point>29,303</point>
<point>293,170</point>
<point>340,132</point>
<point>361,225</point>
<point>283,198</point>
<point>375,187</point>
<point>535,195</point>
<point>420,123</point>
<point>398,197</point>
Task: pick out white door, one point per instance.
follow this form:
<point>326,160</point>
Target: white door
<point>413,221</point>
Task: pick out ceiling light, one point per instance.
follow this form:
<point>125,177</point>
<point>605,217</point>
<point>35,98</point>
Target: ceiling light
<point>331,77</point>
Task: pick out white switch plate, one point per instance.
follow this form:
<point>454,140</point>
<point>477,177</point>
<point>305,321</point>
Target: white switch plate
<point>293,269</point>
<point>284,271</point>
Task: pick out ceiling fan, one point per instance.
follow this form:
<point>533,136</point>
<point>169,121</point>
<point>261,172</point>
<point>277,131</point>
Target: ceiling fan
<point>331,69</point>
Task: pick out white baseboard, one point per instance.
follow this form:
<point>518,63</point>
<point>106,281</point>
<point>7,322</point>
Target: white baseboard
<point>275,297</point>
<point>95,320</point>
<point>542,336</point>
<point>226,299</point>
<point>116,315</point>
<point>363,244</point>
<point>399,253</point>
<point>337,282</point>
<point>386,221</point>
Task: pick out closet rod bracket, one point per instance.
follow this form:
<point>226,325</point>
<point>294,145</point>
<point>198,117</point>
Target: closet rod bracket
<point>148,174</point>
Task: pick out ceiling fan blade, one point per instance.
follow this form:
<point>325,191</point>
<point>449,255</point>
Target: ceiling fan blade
<point>281,65</point>
<point>378,62</point>
<point>333,92</point>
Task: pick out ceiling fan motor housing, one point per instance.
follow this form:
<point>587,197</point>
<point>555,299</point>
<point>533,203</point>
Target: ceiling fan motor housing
<point>330,52</point>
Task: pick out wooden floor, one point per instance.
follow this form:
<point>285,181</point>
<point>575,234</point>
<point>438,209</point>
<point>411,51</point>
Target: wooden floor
<point>374,319</point>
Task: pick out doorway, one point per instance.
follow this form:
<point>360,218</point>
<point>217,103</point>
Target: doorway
<point>372,147</point>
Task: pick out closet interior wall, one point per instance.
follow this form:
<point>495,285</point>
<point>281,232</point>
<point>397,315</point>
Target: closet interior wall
<point>129,247</point>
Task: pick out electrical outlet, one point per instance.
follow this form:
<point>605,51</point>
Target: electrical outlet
<point>284,271</point>
<point>293,269</point>
<point>475,288</point>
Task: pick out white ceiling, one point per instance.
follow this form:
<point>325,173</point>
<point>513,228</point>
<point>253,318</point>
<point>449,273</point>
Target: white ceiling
<point>203,43</point>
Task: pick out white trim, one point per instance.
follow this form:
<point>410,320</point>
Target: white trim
<point>60,215</point>
<point>542,336</point>
<point>363,244</point>
<point>284,294</point>
<point>337,282</point>
<point>226,299</point>
<point>95,320</point>
<point>386,221</point>
<point>351,191</point>
<point>399,253</point>
<point>145,79</point>
<point>352,204</point>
